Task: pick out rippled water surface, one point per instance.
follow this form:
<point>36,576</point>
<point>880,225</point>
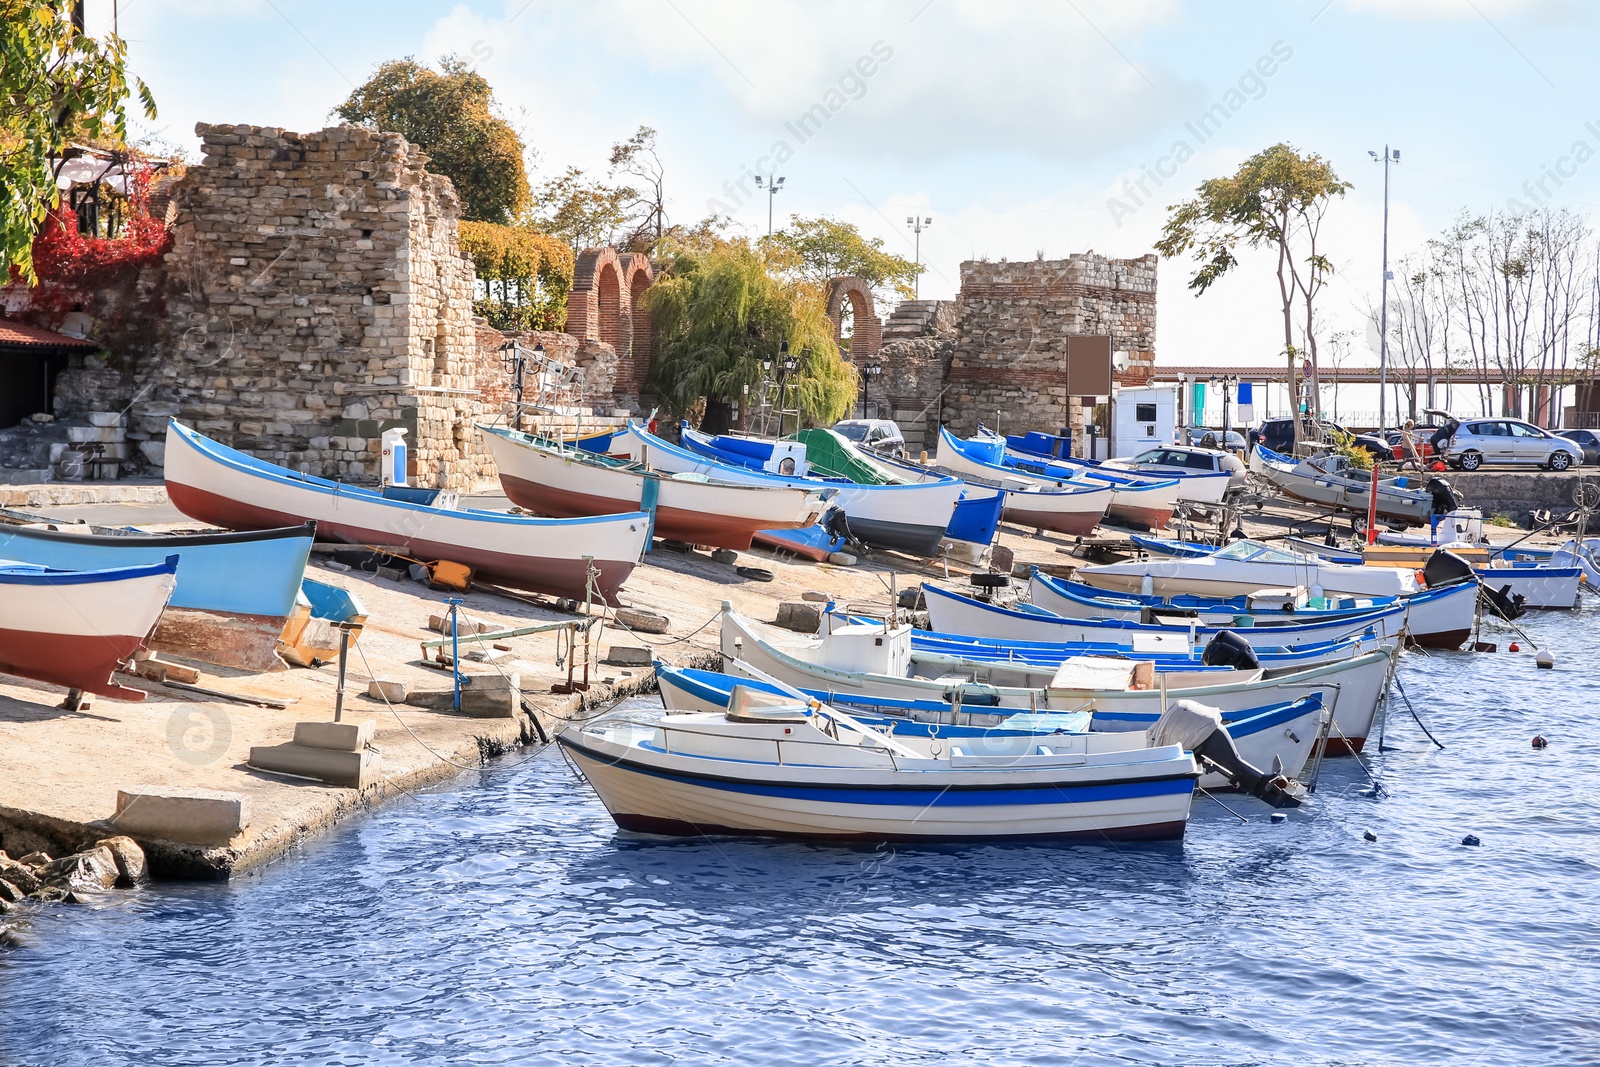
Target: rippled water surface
<point>503,920</point>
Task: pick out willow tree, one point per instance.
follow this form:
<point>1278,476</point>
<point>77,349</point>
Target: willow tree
<point>717,313</point>
<point>1276,201</point>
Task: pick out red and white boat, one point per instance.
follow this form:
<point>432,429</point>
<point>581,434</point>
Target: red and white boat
<point>687,507</point>
<point>213,483</point>
<point>74,628</point>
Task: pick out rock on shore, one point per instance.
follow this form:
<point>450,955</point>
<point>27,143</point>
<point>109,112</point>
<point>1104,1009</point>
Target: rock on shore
<point>109,863</point>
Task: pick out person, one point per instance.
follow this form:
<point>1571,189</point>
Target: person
<point>1410,456</point>
<point>786,465</point>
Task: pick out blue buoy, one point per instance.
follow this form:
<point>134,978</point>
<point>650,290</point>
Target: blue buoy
<point>1471,839</point>
<point>1369,835</point>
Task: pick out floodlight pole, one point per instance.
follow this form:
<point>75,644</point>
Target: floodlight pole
<point>1383,313</point>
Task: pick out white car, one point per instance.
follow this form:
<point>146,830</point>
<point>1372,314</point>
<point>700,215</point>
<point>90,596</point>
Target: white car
<point>1476,442</point>
<point>1185,459</point>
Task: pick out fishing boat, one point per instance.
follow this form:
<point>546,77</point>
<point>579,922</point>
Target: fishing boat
<point>1199,484</point>
<point>1164,546</point>
<point>212,616</point>
<point>815,542</point>
<point>907,518</point>
<point>569,483</point>
<point>777,765</point>
<point>1243,567</point>
<point>976,518</point>
<point>952,612</point>
<point>1025,452</point>
<point>75,628</point>
<point>1435,617</point>
<point>311,637</point>
<point>1279,736</point>
<point>1061,506</point>
<point>210,482</point>
<point>875,660</point>
<point>1330,481</point>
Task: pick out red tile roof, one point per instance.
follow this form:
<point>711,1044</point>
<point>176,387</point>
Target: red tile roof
<point>15,334</point>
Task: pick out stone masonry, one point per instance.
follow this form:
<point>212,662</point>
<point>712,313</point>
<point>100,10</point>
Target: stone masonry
<point>318,296</point>
<point>1008,367</point>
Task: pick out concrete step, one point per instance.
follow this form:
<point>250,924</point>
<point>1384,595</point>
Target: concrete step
<point>194,816</point>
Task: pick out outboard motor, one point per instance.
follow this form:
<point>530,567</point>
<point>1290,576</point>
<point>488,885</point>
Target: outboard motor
<point>835,523</point>
<point>1445,497</point>
<point>1446,568</point>
<point>1228,649</point>
<point>1506,604</point>
<point>1198,728</point>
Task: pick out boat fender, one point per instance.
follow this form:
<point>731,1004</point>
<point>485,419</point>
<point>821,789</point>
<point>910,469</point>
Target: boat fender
<point>1228,649</point>
<point>1540,742</point>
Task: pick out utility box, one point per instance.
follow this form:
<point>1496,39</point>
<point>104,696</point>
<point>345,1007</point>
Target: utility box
<point>394,457</point>
<point>1143,418</point>
<point>869,647</point>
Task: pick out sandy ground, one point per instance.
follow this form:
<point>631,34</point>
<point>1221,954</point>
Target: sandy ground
<point>60,770</point>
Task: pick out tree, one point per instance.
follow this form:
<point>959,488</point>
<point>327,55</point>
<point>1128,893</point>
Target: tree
<point>716,314</point>
<point>822,248</point>
<point>645,209</point>
<point>1276,200</point>
<point>57,84</point>
<point>582,212</point>
<point>450,114</point>
<point>526,275</point>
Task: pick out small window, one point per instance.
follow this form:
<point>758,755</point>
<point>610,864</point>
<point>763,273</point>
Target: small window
<point>1201,462</point>
<point>1144,413</point>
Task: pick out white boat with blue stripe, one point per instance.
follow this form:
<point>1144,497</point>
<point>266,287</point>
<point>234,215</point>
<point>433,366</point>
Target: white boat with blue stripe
<point>781,765</point>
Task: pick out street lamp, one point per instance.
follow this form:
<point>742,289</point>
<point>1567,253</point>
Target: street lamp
<point>1224,381</point>
<point>869,373</point>
<point>1389,156</point>
<point>786,365</point>
<point>916,225</point>
<point>772,186</point>
<point>512,359</point>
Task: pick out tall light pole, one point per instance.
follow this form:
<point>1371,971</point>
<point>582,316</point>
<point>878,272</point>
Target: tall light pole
<point>1389,156</point>
<point>772,186</point>
<point>916,223</point>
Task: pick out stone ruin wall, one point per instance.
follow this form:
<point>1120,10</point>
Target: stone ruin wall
<point>318,296</point>
<point>1007,368</point>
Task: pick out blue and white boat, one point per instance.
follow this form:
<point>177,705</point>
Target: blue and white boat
<point>1280,736</point>
<point>907,518</point>
<point>955,613</point>
<point>1047,453</point>
<point>235,591</point>
<point>782,766</point>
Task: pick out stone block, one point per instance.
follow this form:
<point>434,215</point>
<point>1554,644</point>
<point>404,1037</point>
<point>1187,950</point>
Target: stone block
<point>629,656</point>
<point>89,435</point>
<point>131,867</point>
<point>800,616</point>
<point>338,736</point>
<point>154,452</point>
<point>645,622</point>
<point>194,816</point>
<point>813,596</point>
<point>351,770</point>
<point>105,419</point>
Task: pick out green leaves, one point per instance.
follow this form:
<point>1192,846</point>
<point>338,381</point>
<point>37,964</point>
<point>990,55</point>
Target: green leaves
<point>822,248</point>
<point>716,314</point>
<point>56,86</point>
<point>449,115</point>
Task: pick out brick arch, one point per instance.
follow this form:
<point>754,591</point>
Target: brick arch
<point>634,365</point>
<point>595,269</point>
<point>868,336</point>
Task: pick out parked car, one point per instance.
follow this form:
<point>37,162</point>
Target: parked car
<point>1588,440</point>
<point>1278,435</point>
<point>1229,440</point>
<point>1422,435</point>
<point>1475,442</point>
<point>881,435</point>
<point>1185,459</point>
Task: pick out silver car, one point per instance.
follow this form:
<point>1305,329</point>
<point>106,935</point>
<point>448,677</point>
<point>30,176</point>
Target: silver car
<point>1479,441</point>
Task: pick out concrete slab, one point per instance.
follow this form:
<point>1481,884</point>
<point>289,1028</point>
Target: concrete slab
<point>336,736</point>
<point>352,770</point>
<point>195,816</point>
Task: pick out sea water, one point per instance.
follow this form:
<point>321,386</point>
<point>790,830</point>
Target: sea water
<point>503,919</point>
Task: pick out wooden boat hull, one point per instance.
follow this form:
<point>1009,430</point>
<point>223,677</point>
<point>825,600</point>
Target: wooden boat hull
<point>212,615</point>
<point>215,484</point>
<point>700,512</point>
<point>1030,501</point>
<point>74,628</point>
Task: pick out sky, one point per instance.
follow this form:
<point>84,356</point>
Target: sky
<point>1019,128</point>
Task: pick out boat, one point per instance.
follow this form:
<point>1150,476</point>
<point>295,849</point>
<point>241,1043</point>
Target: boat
<point>1163,546</point>
<point>1435,618</point>
<point>904,518</point>
<point>75,628</point>
<point>1194,487</point>
<point>1073,509</point>
<point>213,483</point>
<point>952,612</point>
<point>874,661</point>
<point>828,455</point>
<point>815,542</point>
<point>1279,736</point>
<point>1243,567</point>
<point>778,765</point>
<point>568,483</point>
<point>1330,481</point>
<point>212,616</point>
<point>311,637</point>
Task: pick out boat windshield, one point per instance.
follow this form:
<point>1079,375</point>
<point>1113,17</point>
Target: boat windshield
<point>1256,552</point>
